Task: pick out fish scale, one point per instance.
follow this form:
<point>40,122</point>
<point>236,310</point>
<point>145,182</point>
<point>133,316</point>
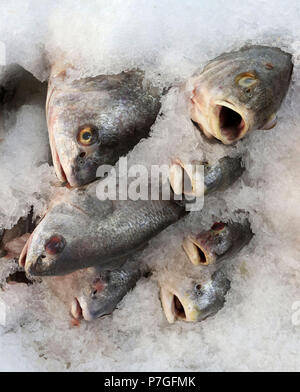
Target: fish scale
<point>88,232</point>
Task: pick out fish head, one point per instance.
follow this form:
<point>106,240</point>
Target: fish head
<point>218,243</point>
<point>62,241</point>
<point>241,91</point>
<point>193,300</point>
<point>81,137</point>
<point>205,248</point>
<point>105,289</point>
<point>96,300</point>
<point>94,121</point>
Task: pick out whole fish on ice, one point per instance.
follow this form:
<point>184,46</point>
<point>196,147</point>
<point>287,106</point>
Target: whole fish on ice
<point>240,91</point>
<point>81,231</point>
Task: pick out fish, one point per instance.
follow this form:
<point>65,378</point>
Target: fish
<point>186,177</point>
<point>213,246</point>
<point>80,231</point>
<point>193,299</point>
<point>105,289</point>
<point>93,121</point>
<point>239,92</point>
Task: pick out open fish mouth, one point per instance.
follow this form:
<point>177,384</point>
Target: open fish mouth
<point>230,122</point>
<point>177,307</point>
<point>196,252</point>
<point>79,310</point>
<point>187,178</point>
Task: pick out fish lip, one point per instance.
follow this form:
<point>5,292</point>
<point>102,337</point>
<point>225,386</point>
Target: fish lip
<point>30,270</point>
<point>25,263</point>
<point>167,297</point>
<point>59,170</point>
<point>197,253</point>
<point>76,309</point>
<point>179,171</point>
<point>23,255</point>
<point>68,181</point>
<point>216,121</point>
<point>55,157</point>
<point>79,309</point>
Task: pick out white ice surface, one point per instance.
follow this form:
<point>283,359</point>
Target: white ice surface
<point>169,39</point>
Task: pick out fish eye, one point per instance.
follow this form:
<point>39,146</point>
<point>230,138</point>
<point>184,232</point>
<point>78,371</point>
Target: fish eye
<point>87,135</point>
<point>246,79</point>
<point>55,244</point>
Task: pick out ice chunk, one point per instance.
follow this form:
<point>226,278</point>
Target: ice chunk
<point>25,172</point>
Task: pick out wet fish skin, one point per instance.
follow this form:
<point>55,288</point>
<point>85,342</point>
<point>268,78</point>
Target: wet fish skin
<point>240,91</point>
<point>82,231</point>
<point>116,110</point>
<point>220,242</point>
<point>101,296</point>
<point>224,173</point>
<point>194,300</point>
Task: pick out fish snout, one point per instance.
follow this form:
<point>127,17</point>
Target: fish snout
<point>83,170</point>
<point>72,165</point>
<point>80,309</point>
<point>187,178</point>
<point>38,263</point>
<point>177,307</point>
<point>221,241</point>
<point>198,250</point>
<point>76,309</point>
<point>202,248</point>
<point>35,266</point>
